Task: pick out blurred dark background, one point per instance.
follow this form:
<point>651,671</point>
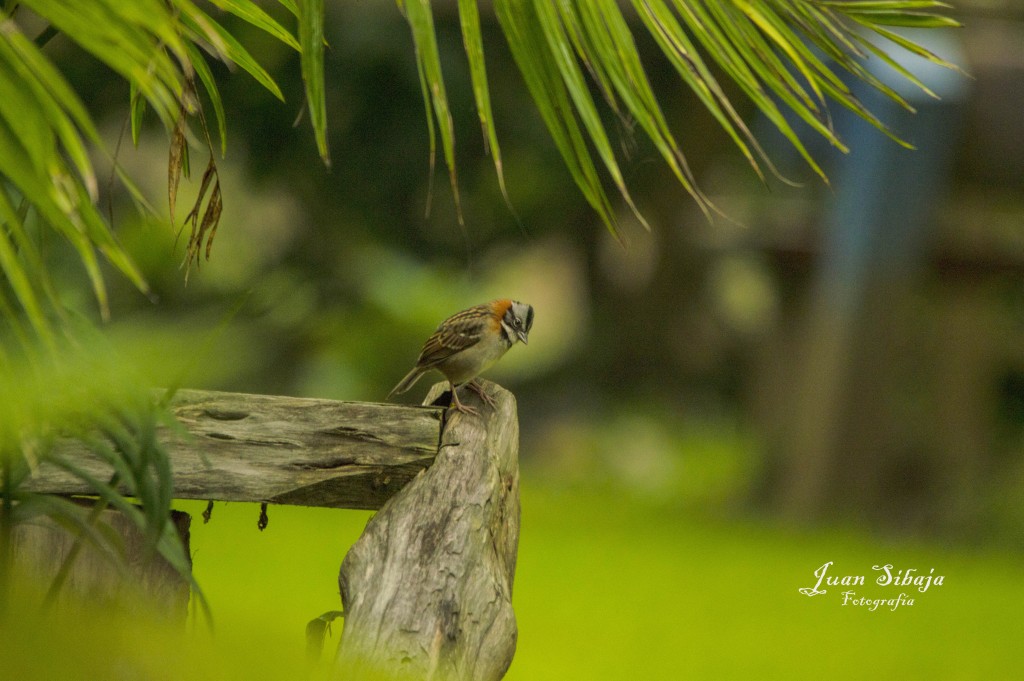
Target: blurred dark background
<point>844,353</point>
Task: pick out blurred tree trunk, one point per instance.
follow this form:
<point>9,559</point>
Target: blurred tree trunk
<point>855,410</point>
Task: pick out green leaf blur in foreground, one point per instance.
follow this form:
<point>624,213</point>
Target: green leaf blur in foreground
<point>83,392</point>
<point>782,55</point>
<point>51,383</point>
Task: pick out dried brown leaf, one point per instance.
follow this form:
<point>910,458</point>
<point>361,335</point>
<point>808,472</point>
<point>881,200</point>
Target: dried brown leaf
<point>209,202</point>
<point>176,160</point>
<point>211,218</point>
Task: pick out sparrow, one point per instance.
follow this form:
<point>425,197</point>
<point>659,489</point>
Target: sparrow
<point>469,342</point>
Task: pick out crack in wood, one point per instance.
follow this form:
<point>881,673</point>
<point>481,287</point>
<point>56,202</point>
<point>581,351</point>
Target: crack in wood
<point>328,464</point>
<point>257,442</point>
<point>225,414</point>
<point>351,433</point>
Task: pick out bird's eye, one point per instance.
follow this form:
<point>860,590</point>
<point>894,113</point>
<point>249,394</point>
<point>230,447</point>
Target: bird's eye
<point>517,322</point>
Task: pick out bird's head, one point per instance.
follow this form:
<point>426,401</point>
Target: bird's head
<point>517,321</point>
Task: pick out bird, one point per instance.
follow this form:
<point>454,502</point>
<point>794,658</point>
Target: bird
<point>468,343</point>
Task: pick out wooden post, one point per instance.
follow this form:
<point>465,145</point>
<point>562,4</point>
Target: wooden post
<point>427,588</point>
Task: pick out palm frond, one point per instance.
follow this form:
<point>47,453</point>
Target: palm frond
<point>785,56</point>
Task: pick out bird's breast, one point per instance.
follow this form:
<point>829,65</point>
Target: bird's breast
<point>469,363</point>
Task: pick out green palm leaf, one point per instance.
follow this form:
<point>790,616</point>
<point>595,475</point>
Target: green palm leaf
<point>469,17</point>
<point>311,37</point>
<point>531,52</point>
<point>784,55</point>
<point>435,95</point>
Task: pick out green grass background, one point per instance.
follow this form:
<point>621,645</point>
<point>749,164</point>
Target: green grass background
<point>610,585</point>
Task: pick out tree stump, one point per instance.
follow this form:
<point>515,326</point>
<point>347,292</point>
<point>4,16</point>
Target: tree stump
<point>427,588</point>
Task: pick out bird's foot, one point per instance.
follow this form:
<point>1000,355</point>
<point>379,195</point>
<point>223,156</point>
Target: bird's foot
<point>458,406</point>
<point>476,387</point>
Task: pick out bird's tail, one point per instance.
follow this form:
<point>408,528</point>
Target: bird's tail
<point>407,382</point>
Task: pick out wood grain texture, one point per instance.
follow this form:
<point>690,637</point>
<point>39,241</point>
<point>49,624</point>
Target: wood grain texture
<point>427,588</point>
<point>282,450</point>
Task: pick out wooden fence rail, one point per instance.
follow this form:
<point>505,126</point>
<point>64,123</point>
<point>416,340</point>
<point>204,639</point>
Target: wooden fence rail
<point>281,450</point>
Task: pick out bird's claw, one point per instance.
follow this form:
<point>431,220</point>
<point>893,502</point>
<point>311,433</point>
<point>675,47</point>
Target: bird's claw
<point>458,406</point>
<point>476,387</point>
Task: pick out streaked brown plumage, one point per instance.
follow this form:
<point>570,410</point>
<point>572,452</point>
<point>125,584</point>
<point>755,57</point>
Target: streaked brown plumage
<point>469,342</point>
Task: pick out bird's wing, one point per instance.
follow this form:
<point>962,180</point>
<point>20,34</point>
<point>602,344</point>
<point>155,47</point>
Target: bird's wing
<point>455,334</point>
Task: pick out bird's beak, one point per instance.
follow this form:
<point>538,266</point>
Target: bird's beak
<point>522,336</point>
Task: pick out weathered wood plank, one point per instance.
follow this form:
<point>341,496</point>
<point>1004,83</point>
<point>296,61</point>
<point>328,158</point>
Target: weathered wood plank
<point>427,588</point>
<point>282,450</point>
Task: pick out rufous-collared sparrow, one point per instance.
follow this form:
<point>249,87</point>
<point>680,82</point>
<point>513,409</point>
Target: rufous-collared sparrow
<point>469,342</point>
